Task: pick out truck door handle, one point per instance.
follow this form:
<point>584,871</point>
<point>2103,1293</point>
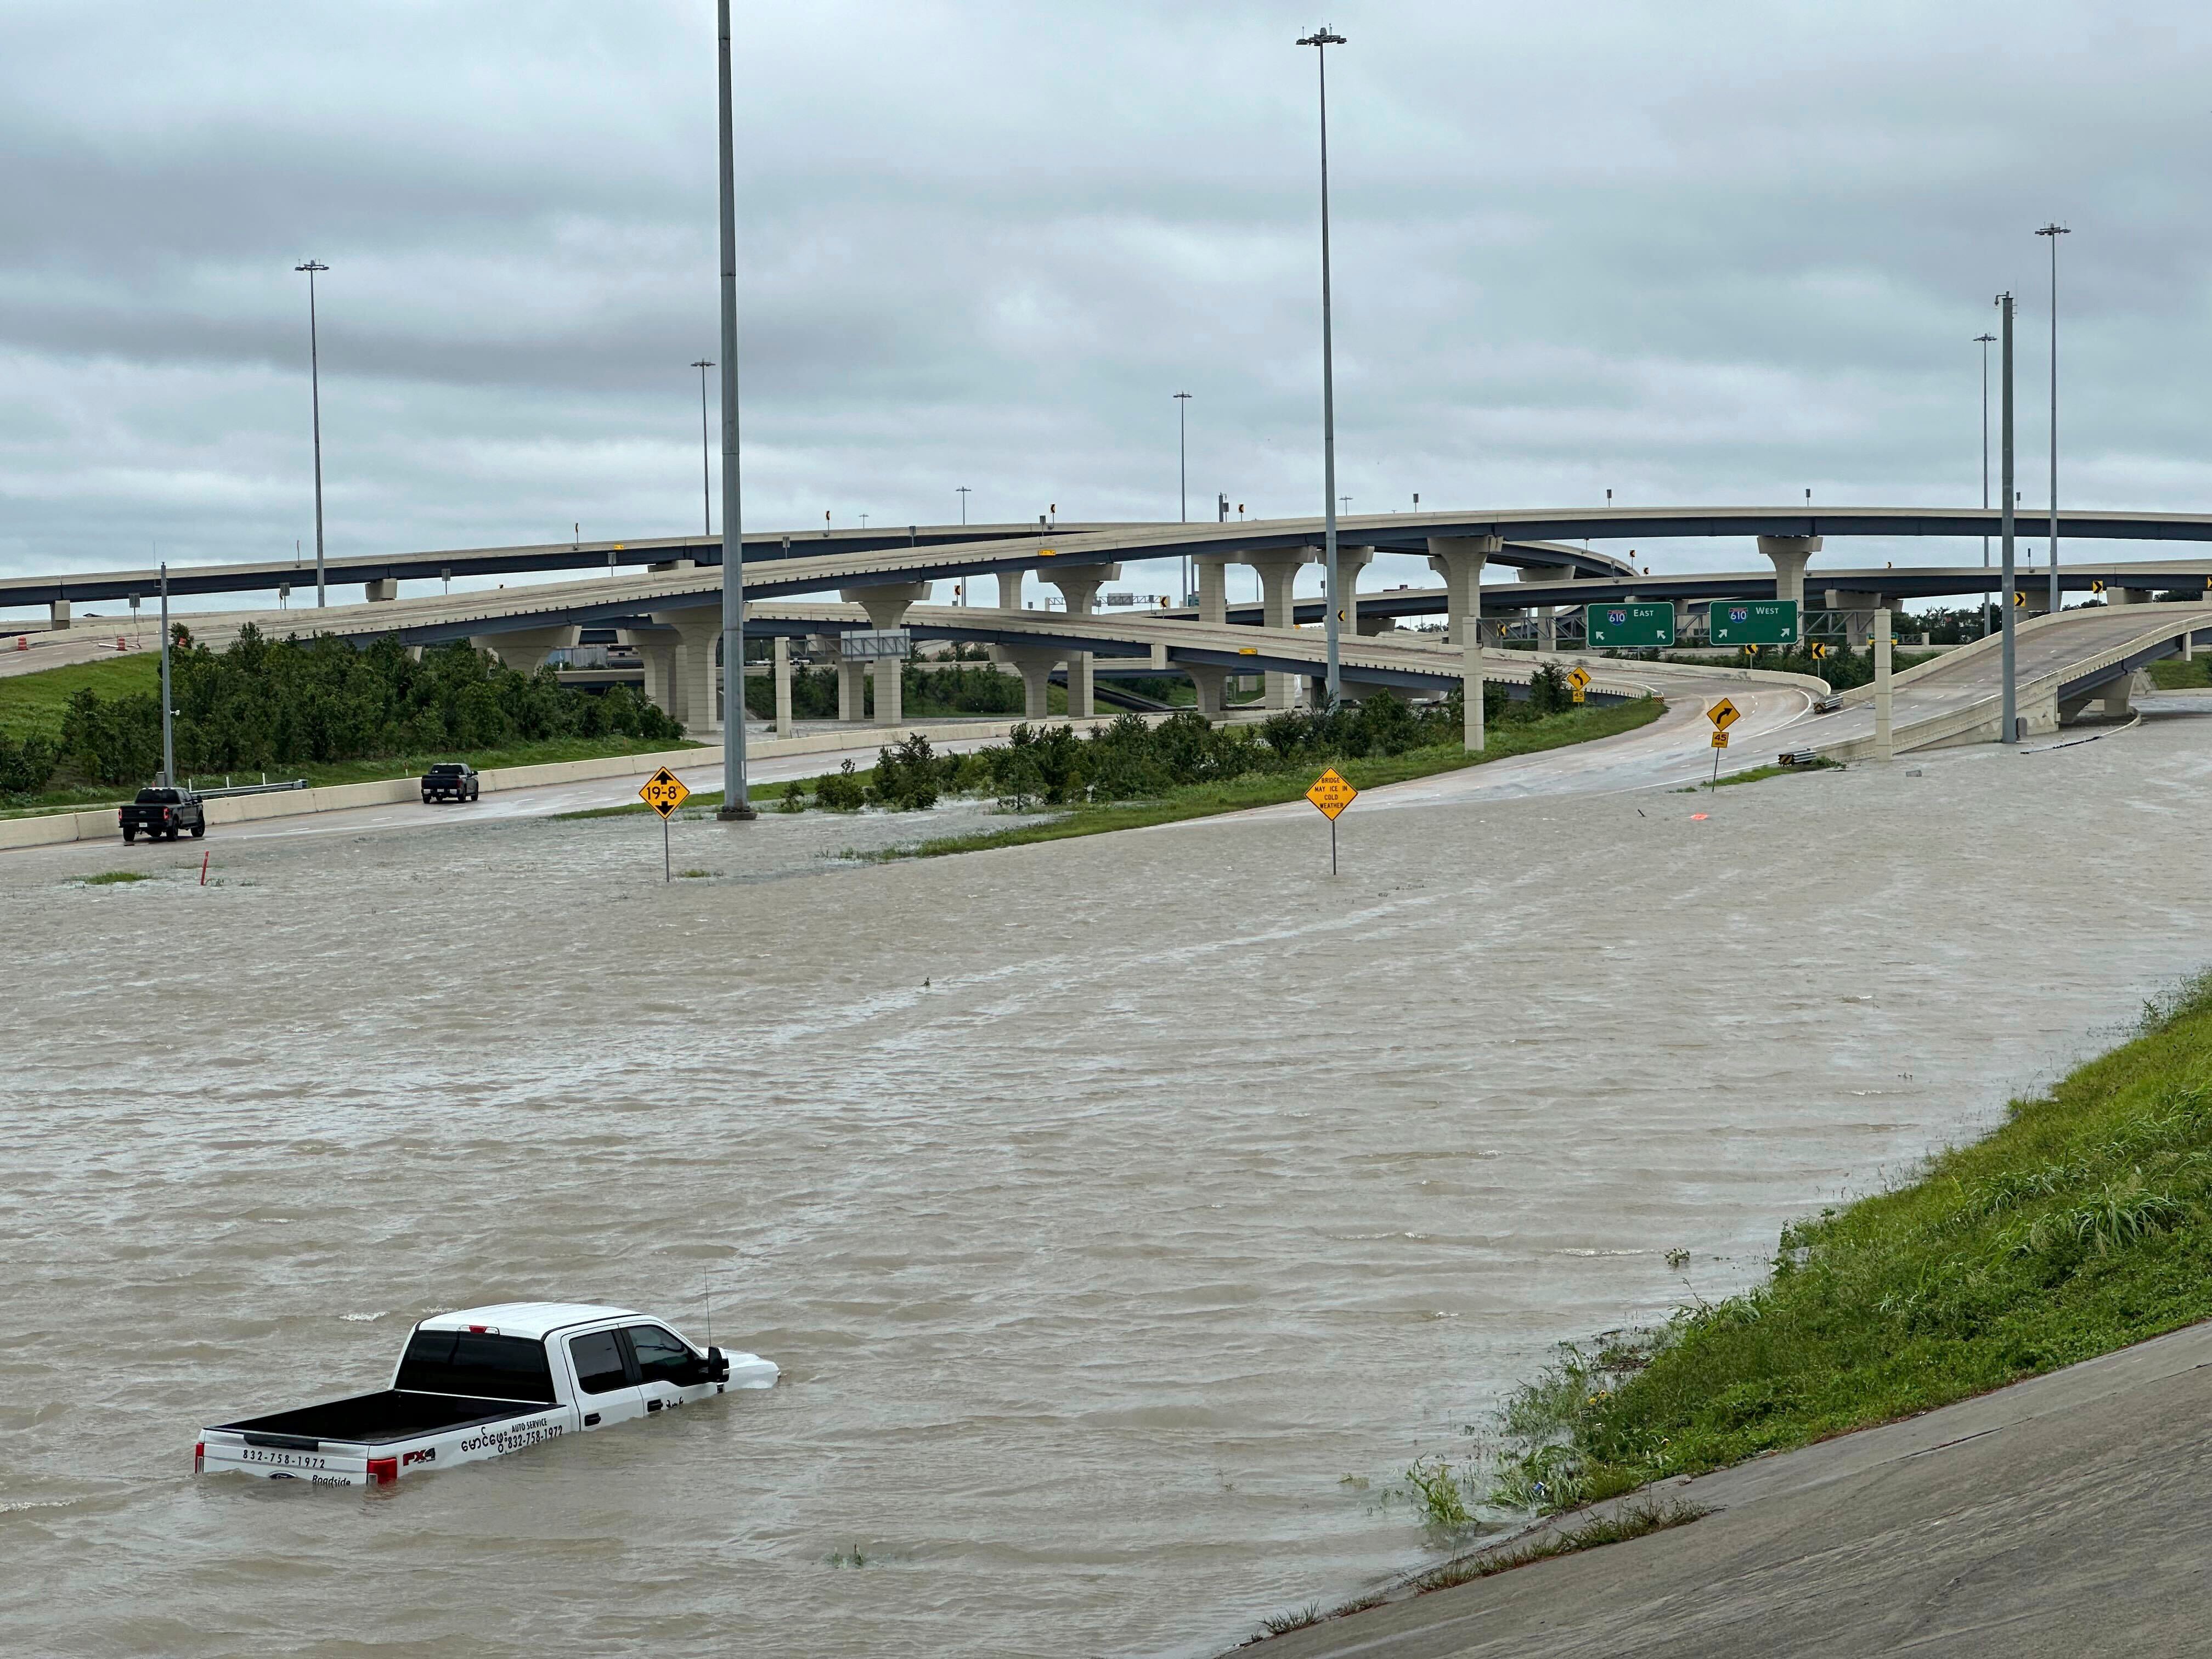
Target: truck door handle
<point>591,1420</point>
<point>652,1404</point>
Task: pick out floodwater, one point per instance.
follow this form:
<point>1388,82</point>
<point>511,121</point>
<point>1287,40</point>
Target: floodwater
<point>1107,1203</point>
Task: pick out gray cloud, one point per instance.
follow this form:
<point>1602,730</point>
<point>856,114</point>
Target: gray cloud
<point>1722,254</point>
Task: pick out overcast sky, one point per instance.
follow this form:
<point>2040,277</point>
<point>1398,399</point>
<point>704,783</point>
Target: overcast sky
<point>1705,254</point>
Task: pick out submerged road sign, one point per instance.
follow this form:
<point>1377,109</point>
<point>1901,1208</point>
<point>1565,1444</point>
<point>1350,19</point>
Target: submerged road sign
<point>664,792</point>
<point>1620,627</point>
<point>1331,793</point>
<point>1754,622</point>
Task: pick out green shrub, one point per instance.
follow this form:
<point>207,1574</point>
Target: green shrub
<point>840,791</point>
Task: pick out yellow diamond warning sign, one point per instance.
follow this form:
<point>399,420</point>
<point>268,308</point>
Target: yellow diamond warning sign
<point>1723,714</point>
<point>664,792</point>
<point>1331,793</point>
<point>1579,678</point>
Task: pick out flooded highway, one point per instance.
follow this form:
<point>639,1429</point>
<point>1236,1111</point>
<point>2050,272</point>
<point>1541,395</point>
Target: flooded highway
<point>1126,1213</point>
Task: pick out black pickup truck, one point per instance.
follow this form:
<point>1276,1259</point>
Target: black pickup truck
<point>160,813</point>
<point>451,781</point>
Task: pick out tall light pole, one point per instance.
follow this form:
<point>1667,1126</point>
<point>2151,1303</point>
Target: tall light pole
<point>2053,231</point>
<point>315,385</point>
<point>1183,485</point>
<point>705,477</point>
<point>1985,341</point>
<point>2009,705</point>
<point>1320,39</point>
<point>168,742</point>
<point>736,800</point>
<point>961,490</point>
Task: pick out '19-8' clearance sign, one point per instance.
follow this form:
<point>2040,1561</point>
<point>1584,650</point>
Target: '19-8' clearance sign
<point>664,792</point>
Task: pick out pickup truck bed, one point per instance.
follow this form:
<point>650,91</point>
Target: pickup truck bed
<point>373,1418</point>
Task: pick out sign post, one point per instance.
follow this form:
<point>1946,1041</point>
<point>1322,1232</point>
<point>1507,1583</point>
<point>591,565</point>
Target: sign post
<point>664,792</point>
<point>1332,794</point>
<point>1723,714</point>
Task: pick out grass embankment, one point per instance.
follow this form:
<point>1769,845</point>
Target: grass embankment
<point>33,704</point>
<point>2083,1224</point>
<point>2171,674</point>
<point>1760,773</point>
<point>1273,788</point>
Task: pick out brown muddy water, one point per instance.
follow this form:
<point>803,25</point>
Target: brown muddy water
<point>1107,1203</point>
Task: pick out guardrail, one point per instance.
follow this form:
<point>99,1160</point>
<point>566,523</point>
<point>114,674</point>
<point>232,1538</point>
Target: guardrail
<point>263,788</point>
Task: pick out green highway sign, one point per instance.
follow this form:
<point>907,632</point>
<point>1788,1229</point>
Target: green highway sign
<point>1754,622</point>
<point>1611,626</point>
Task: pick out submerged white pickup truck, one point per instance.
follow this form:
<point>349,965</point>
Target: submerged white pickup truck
<point>479,1383</point>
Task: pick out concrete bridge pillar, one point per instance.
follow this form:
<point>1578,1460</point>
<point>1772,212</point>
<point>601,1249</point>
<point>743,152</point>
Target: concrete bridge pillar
<point>698,634</point>
<point>1471,694</point>
<point>1278,569</point>
<point>378,591</point>
<point>1861,616</point>
<point>1010,589</point>
<point>1212,684</point>
<point>851,691</point>
<point>663,687</point>
<point>1548,616</point>
<point>779,662</point>
<point>1349,561</point>
<point>1212,570</point>
<point>1458,560</point>
<point>1790,554</point>
<point>887,604</point>
<point>2127,596</point>
<point>1034,663</point>
<point>57,613</point>
<point>1079,586</point>
<point>526,649</point>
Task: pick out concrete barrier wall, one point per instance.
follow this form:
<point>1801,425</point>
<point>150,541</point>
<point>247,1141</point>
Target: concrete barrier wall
<point>99,823</point>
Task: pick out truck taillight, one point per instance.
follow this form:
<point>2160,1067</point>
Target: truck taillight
<point>199,1457</point>
<point>383,1471</point>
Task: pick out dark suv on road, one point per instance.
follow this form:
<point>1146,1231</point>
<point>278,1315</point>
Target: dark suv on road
<point>451,781</point>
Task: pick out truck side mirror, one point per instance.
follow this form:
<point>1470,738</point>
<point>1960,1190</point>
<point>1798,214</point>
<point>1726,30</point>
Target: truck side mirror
<point>718,1365</point>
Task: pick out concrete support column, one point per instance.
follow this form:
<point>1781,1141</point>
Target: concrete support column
<point>1349,561</point>
<point>1010,589</point>
<point>1860,624</point>
<point>1471,692</point>
<point>1213,588</point>
<point>526,649</point>
<point>1278,568</point>
<point>2127,596</point>
<point>378,591</point>
<point>1790,554</point>
<point>1078,584</point>
<point>851,691</point>
<point>1458,560</point>
<point>698,634</point>
<point>2114,698</point>
<point>57,613</point>
<point>780,660</point>
<point>1882,746</point>
<point>1212,687</point>
<point>1034,665</point>
<point>887,604</point>
<point>1548,616</point>
<point>663,688</point>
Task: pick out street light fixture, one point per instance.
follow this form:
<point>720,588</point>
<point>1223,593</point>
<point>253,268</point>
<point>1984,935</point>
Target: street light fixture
<point>2054,230</point>
<point>705,477</point>
<point>315,385</point>
<point>1320,41</point>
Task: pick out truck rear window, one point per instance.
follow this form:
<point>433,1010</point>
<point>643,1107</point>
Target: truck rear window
<point>463,1362</point>
<point>444,770</point>
<point>155,798</point>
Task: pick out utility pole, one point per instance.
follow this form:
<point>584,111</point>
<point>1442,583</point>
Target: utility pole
<point>1183,487</point>
<point>1321,39</point>
<point>2053,231</point>
<point>961,490</point>
<point>315,385</point>
<point>706,476</point>
<point>168,738</point>
<point>2007,708</point>
<point>737,804</point>
<point>1985,341</point>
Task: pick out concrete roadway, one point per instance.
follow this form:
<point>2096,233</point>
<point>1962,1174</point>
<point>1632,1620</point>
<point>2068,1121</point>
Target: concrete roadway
<point>2055,1518</point>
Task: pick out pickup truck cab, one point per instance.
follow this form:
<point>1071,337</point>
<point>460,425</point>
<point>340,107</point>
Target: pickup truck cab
<point>160,812</point>
<point>451,781</point>
<point>479,1383</point>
